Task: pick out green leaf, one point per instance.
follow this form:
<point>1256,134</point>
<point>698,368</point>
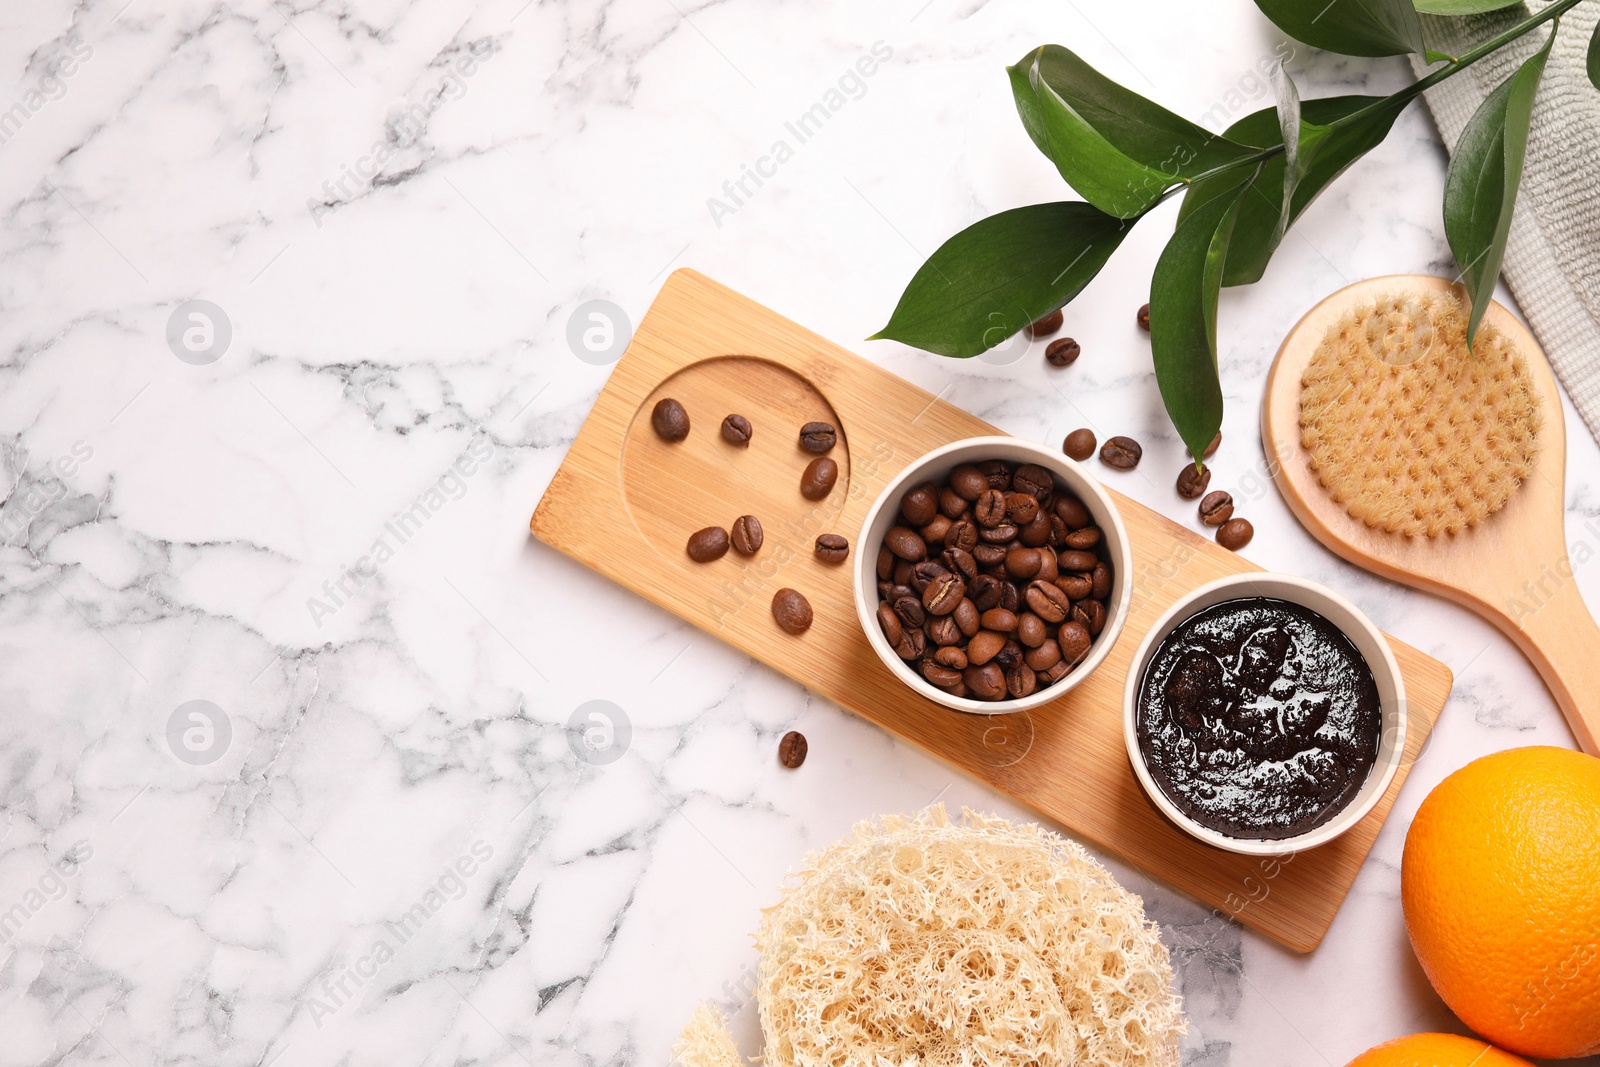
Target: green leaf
<point>1000,274</point>
<point>1480,186</point>
<point>1461,7</point>
<point>1119,150</point>
<point>1350,27</point>
<point>1289,135</point>
<point>1594,57</point>
<point>1183,320</point>
<point>1324,154</point>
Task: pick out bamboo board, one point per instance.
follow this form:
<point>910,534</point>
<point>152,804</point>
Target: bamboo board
<point>718,352</point>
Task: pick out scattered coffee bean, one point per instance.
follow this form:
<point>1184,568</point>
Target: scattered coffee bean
<point>1143,318</point>
<point>792,611</point>
<point>1216,442</point>
<point>817,481</point>
<point>736,430</point>
<point>1216,508</point>
<point>1123,453</point>
<point>1079,444</point>
<point>708,544</point>
<point>1046,326</point>
<point>669,420</point>
<point>1062,352</point>
<point>1235,534</point>
<point>792,749</point>
<point>832,548</point>
<point>1192,481</point>
<point>818,437</point>
<point>746,535</point>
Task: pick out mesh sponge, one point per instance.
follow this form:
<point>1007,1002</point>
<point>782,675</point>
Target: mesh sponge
<point>1408,430</point>
<point>920,942</point>
<point>706,1041</point>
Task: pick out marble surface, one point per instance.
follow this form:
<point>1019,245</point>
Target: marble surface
<point>374,844</point>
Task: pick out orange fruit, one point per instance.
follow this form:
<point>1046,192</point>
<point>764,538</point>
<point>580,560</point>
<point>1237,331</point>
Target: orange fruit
<point>1436,1050</point>
<point>1501,886</point>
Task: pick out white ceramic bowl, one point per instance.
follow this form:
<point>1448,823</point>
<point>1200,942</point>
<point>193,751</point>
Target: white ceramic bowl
<point>1369,641</point>
<point>933,467</point>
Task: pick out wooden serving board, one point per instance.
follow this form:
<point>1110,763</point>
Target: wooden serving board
<point>718,352</point>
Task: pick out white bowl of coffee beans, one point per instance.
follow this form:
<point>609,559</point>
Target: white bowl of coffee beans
<point>993,575</point>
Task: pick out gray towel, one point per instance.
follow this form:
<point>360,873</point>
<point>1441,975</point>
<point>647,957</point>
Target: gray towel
<point>1552,262</point>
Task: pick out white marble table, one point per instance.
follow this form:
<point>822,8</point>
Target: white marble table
<point>390,854</point>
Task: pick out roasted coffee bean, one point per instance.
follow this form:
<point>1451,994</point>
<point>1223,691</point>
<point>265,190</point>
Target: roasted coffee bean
<point>1020,680</point>
<point>669,420</point>
<point>985,592</point>
<point>1216,508</point>
<point>905,544</point>
<point>959,689</point>
<point>1192,481</point>
<point>817,480</point>
<point>1058,531</point>
<point>1034,480</point>
<point>899,589</point>
<point>1046,600</point>
<point>951,505</point>
<point>1083,539</point>
<point>960,561</point>
<point>950,656</point>
<point>883,591</point>
<point>902,572</point>
<point>1143,317</point>
<point>987,555</point>
<point>1076,586</point>
<point>963,534</point>
<point>1072,512</point>
<point>885,563</point>
<point>938,674</point>
<point>792,749</point>
<point>999,535</point>
<point>1023,563</point>
<point>968,482</point>
<point>943,594</point>
<point>912,644</point>
<point>1031,630</point>
<point>1235,534</point>
<point>1079,444</point>
<point>1062,352</point>
<point>1049,569</point>
<point>985,646</point>
<point>1074,641</point>
<point>990,508</point>
<point>1101,579</point>
<point>966,617</point>
<point>999,620</point>
<point>1047,654</point>
<point>921,504</point>
<point>1046,326</point>
<point>1010,596</point>
<point>792,611</point>
<point>987,682</point>
<point>1053,674</point>
<point>925,572</point>
<point>736,430</point>
<point>1216,442</point>
<point>1021,508</point>
<point>998,471</point>
<point>889,623</point>
<point>1009,656</point>
<point>1122,453</point>
<point>818,437</point>
<point>746,535</point>
<point>944,631</point>
<point>1090,614</point>
<point>911,612</point>
<point>1036,532</point>
<point>708,544</point>
<point>832,548</point>
<point>1075,560</point>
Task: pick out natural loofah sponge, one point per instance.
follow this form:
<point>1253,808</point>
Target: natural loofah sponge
<point>706,1042</point>
<point>921,942</point>
<point>1406,428</point>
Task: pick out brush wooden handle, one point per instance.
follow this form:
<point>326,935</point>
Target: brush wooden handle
<point>1549,620</point>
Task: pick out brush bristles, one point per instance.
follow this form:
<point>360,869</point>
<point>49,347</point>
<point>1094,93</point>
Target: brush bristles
<point>1406,428</point>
